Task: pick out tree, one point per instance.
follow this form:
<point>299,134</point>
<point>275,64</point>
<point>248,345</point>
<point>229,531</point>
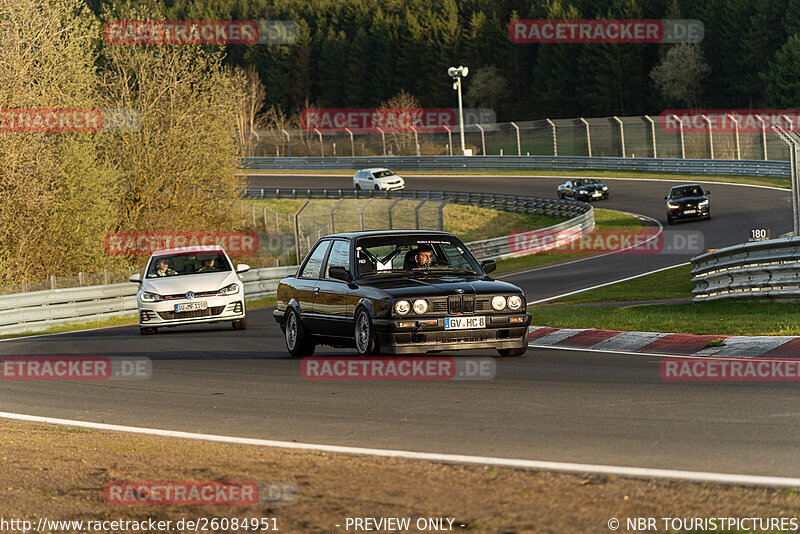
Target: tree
<point>783,77</point>
<point>487,88</point>
<point>247,84</point>
<point>679,76</point>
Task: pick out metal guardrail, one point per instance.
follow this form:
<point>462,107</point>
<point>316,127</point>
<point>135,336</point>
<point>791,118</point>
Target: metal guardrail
<point>762,269</point>
<point>511,203</point>
<point>525,163</point>
<point>40,310</point>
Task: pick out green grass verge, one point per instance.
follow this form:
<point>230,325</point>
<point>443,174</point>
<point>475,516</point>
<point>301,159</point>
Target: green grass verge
<point>711,318</point>
<point>603,219</point>
<point>772,181</point>
<point>123,320</point>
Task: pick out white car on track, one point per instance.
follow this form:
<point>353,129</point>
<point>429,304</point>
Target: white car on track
<point>378,178</point>
<point>188,286</point>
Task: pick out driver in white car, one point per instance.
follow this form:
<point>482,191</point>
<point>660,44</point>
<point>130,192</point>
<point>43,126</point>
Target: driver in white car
<point>162,269</point>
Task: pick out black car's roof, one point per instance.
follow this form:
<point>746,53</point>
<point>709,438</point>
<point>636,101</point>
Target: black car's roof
<point>375,233</point>
<point>684,185</point>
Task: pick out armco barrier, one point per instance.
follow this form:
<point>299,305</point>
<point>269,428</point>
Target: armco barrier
<point>525,163</point>
<point>44,309</point>
<point>762,269</point>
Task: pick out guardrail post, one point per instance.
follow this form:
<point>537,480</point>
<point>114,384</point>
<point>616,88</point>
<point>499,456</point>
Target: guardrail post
<point>621,134</point>
<point>683,145</point>
<point>483,139</point>
<point>519,147</point>
<point>555,139</point>
<point>653,133</point>
<point>588,135</point>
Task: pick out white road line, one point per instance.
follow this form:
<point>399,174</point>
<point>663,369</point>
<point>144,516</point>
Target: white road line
<point>634,472</point>
<point>608,283</point>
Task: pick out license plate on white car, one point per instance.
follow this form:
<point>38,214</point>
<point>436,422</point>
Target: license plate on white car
<point>463,323</point>
<point>191,306</point>
<point>689,212</point>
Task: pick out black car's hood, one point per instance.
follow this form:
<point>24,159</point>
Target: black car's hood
<point>439,285</point>
<point>688,200</point>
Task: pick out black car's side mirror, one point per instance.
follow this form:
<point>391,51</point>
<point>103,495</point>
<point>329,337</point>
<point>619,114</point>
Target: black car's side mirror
<point>708,192</point>
<point>339,273</point>
<point>666,198</point>
<point>488,266</point>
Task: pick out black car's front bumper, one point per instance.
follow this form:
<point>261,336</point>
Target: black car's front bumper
<point>589,197</point>
<point>422,337</point>
<point>680,213</point>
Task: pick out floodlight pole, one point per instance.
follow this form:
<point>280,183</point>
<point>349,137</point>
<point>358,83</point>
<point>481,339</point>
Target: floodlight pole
<point>458,73</point>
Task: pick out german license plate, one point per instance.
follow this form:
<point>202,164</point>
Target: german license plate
<point>191,306</point>
<point>689,212</point>
<point>463,323</point>
<point>597,194</point>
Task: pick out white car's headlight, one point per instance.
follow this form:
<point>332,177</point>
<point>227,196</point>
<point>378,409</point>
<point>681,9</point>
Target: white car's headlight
<point>514,302</point>
<point>151,297</point>
<point>229,290</point>
<point>420,306</point>
<point>498,302</point>
<point>703,203</point>
<point>402,307</point>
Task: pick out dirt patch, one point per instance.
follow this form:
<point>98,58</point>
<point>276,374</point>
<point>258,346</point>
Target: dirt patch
<point>60,472</point>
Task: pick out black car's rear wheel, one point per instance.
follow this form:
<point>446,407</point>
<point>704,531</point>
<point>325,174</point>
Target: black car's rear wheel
<point>365,334</point>
<point>298,343</point>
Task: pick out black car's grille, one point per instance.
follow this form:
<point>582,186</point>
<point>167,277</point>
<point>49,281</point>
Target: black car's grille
<point>208,312</point>
<point>439,306</point>
<point>461,304</point>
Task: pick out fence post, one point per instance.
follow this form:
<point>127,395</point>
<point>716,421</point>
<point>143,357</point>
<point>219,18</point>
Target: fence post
<point>449,138</point>
<point>763,135</point>
<point>383,138</point>
<point>710,136</point>
<point>416,214</point>
<point>416,139</point>
<point>588,135</point>
<point>483,140</point>
<point>80,279</point>
<point>441,214</point>
<point>297,230</point>
<point>391,207</point>
<point>52,281</point>
<point>555,139</point>
<point>366,205</point>
<point>288,142</point>
<point>352,142</point>
<point>321,147</point>
<point>793,140</point>
<point>653,133</point>
<point>106,278</point>
<point>519,148</point>
<point>333,214</point>
<point>683,146</point>
<point>621,134</point>
<point>736,132</point>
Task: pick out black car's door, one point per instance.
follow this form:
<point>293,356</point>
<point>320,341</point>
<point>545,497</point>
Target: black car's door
<point>334,301</point>
<point>305,285</point>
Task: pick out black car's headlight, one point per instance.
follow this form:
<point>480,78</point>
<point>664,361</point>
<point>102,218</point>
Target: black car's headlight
<point>402,307</point>
<point>514,302</point>
<point>420,306</point>
<point>228,290</point>
<point>151,297</point>
<point>703,203</point>
<point>672,206</point>
<point>582,192</point>
<point>499,302</point>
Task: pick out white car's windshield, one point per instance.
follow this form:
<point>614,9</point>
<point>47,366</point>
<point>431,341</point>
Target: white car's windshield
<point>187,263</point>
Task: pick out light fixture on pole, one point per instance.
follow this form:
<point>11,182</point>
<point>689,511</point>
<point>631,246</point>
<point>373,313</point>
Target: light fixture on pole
<point>457,73</point>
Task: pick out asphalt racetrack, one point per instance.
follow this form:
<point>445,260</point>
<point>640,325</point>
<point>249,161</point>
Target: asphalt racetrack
<point>556,405</point>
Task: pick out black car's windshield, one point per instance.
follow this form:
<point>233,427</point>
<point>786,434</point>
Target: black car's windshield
<point>413,255</point>
<point>584,181</point>
<point>686,191</point>
<point>187,263</point>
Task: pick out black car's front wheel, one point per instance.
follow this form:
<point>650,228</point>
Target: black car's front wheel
<point>366,343</point>
<point>298,343</point>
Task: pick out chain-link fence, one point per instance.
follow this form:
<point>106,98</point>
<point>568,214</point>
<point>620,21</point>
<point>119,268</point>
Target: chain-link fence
<point>634,137</point>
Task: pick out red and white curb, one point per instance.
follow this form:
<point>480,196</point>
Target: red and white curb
<point>665,343</point>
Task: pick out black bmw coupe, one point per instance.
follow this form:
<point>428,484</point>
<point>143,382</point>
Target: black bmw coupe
<point>399,292</point>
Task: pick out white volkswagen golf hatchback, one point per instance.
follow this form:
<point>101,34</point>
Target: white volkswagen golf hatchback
<point>188,286</point>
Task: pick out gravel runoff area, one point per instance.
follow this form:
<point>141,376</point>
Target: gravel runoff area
<point>60,473</point>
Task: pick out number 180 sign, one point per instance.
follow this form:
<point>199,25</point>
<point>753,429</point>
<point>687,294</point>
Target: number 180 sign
<point>759,234</point>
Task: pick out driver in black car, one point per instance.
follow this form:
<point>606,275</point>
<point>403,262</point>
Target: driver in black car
<point>423,257</point>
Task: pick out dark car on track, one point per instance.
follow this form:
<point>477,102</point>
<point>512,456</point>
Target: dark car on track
<point>399,292</point>
<point>687,202</point>
<point>584,189</point>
